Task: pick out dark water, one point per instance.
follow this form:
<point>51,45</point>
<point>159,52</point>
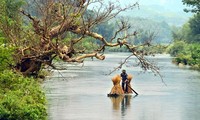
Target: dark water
<point>80,92</point>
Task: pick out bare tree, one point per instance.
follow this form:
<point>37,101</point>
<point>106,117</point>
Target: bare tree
<point>52,21</point>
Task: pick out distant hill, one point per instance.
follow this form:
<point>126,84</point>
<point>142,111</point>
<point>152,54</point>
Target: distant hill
<point>160,13</point>
<point>158,16</point>
<point>170,11</point>
<point>146,27</point>
<point>155,16</point>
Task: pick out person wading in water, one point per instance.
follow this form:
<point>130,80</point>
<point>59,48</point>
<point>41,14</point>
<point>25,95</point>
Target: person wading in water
<point>124,81</point>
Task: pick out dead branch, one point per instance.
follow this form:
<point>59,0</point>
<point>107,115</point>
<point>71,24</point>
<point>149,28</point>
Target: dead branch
<point>58,18</point>
<point>121,64</point>
<point>80,58</point>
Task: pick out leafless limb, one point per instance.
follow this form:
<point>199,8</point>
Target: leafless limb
<point>121,65</point>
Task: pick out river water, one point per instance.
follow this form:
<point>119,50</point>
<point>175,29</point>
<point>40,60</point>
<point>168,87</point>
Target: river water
<point>80,92</point>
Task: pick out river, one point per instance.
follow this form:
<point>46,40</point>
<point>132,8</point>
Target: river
<point>80,92</point>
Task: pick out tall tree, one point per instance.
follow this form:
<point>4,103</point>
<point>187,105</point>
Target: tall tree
<point>194,5</point>
<point>194,24</point>
<point>55,28</point>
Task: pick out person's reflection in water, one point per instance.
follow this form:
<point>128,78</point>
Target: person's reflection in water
<point>125,104</point>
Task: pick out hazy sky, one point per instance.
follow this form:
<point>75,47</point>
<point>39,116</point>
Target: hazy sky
<point>161,8</point>
<point>161,2</point>
<point>173,6</point>
<point>169,4</point>
<point>172,3</point>
<point>150,2</point>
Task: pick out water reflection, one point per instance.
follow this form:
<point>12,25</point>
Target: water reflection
<point>125,104</point>
<point>116,101</point>
<point>122,102</point>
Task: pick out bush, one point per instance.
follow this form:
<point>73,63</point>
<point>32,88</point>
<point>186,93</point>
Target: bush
<point>187,54</point>
<point>5,57</point>
<point>177,48</point>
<point>21,98</point>
<point>195,55</point>
<point>185,59</point>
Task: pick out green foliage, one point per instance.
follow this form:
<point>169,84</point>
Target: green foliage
<point>6,59</point>
<point>186,47</point>
<point>189,32</point>
<point>2,38</point>
<point>156,49</point>
<point>106,29</point>
<point>184,59</point>
<point>10,19</point>
<point>191,56</point>
<point>194,5</point>
<point>195,54</point>
<point>194,24</point>
<point>182,33</point>
<point>88,44</point>
<point>10,8</point>
<point>21,98</point>
<point>187,54</point>
<point>117,49</point>
<point>177,48</point>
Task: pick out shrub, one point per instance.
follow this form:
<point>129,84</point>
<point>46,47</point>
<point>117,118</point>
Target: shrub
<point>187,54</point>
<point>177,48</point>
<point>21,98</point>
<point>5,57</point>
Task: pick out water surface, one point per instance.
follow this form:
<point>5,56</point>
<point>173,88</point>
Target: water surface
<point>80,92</point>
